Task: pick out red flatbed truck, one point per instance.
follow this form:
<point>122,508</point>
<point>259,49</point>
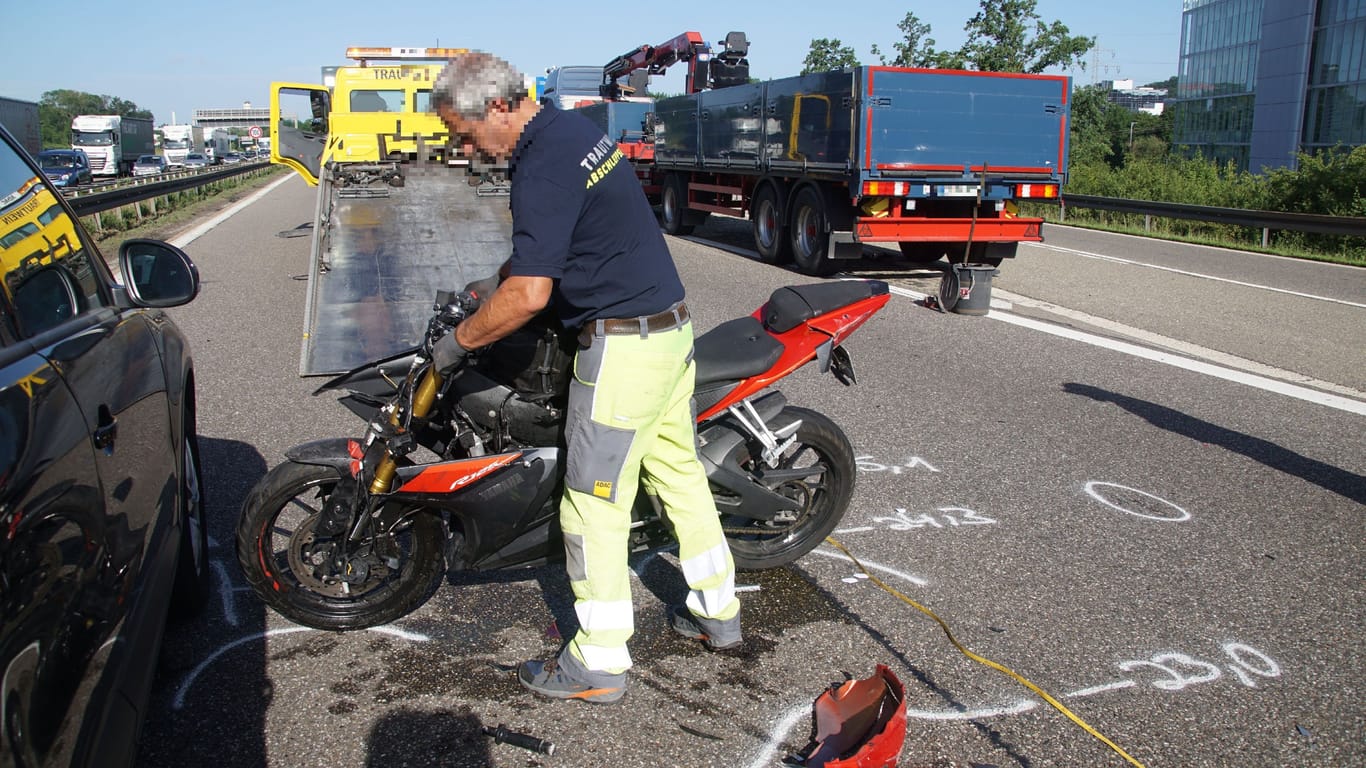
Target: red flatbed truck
<point>933,161</point>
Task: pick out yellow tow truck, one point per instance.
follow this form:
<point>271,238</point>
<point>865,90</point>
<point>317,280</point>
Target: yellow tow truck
<point>401,212</point>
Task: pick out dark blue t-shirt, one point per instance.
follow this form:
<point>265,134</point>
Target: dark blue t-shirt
<point>580,217</point>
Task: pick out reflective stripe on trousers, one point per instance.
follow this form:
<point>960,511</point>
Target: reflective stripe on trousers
<point>630,423</point>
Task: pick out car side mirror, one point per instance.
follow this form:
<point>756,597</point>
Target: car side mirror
<point>157,274</point>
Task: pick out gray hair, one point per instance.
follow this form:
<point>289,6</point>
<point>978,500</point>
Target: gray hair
<point>472,80</point>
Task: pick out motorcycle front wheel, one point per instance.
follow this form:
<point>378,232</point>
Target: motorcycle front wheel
<point>822,448</point>
<point>289,563</point>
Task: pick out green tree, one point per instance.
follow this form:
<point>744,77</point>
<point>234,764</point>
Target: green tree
<point>827,54</point>
<point>1009,36</point>
<point>916,47</point>
<point>56,108</point>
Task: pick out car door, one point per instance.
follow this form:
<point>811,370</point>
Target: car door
<point>86,473</point>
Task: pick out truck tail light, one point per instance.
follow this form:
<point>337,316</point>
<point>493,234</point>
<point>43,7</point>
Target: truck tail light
<point>884,188</point>
<point>1037,190</point>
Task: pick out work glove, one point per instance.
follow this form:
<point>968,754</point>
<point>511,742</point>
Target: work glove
<point>481,290</point>
<point>447,354</point>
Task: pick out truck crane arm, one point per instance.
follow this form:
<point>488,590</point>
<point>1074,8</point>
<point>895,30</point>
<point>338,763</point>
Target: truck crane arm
<point>688,47</point>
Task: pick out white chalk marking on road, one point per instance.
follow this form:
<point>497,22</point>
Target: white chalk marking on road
<point>1095,689</point>
<point>1091,491</point>
<point>875,566</point>
<point>178,703</point>
<point>1188,273</point>
<point>226,592</point>
<point>1021,706</point>
<point>855,530</point>
<point>779,733</point>
<point>186,238</point>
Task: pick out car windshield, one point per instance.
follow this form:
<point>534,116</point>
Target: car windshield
<point>194,157</point>
<point>147,160</point>
<point>51,162</point>
<point>92,138</point>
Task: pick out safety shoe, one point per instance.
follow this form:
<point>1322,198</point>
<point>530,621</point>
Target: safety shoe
<point>685,624</point>
<point>551,679</point>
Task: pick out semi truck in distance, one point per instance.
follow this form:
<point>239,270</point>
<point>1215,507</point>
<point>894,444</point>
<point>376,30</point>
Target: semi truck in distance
<point>218,145</point>
<point>21,119</point>
<point>112,142</point>
<point>177,141</point>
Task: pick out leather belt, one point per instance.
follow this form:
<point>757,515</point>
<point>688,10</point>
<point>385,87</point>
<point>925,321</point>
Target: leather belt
<point>644,325</point>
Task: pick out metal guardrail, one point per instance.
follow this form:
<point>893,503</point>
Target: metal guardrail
<point>1267,221</point>
<point>96,202</point>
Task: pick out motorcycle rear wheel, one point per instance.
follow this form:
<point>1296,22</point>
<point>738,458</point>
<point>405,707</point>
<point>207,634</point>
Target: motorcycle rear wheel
<point>278,549</point>
<point>821,446</point>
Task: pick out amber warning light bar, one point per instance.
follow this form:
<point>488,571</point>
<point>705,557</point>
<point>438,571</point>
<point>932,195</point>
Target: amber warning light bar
<point>363,54</point>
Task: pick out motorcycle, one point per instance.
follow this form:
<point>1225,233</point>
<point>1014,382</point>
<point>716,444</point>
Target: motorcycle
<point>464,472</point>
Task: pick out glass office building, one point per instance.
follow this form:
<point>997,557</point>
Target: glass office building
<point>1260,80</point>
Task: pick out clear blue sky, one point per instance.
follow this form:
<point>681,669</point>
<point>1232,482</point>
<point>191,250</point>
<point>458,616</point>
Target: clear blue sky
<point>178,57</point>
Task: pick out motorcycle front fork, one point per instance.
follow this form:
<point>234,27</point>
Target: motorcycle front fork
<point>423,400</point>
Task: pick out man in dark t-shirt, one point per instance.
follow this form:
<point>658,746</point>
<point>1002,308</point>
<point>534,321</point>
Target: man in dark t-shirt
<point>585,241</point>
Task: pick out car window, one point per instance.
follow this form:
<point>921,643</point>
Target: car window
<point>49,273</point>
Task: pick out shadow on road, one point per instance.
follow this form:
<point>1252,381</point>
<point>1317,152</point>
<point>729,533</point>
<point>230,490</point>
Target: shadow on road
<point>211,688</point>
<point>1347,484</point>
<point>446,738</point>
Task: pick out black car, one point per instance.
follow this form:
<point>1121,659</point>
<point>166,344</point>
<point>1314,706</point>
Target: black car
<point>102,524</point>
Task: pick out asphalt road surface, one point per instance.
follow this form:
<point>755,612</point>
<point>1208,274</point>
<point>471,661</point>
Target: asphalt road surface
<point>1171,546</point>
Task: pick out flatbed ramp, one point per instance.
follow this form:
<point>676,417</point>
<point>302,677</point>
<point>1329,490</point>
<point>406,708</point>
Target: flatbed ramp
<point>378,261</point>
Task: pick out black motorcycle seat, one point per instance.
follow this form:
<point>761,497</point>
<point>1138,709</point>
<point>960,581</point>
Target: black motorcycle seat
<point>789,307</point>
<point>734,350</point>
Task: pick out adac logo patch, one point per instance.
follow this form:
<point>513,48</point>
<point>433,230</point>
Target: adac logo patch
<point>602,489</point>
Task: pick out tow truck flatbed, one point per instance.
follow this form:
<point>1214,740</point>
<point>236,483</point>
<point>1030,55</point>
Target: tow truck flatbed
<point>377,262</point>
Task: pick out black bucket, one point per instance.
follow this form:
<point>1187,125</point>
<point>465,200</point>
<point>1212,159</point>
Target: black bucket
<point>966,288</point>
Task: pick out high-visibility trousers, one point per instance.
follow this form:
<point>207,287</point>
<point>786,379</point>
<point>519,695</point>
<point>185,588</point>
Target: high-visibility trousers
<point>629,423</point>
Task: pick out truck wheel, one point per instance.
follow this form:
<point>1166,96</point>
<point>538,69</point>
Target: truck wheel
<point>922,253</point>
<point>674,206</point>
<point>810,230</point>
<point>770,236</point>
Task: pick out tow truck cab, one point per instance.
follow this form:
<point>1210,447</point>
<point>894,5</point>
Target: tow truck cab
<point>375,113</point>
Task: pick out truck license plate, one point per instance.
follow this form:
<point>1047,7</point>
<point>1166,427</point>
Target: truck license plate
<point>958,190</point>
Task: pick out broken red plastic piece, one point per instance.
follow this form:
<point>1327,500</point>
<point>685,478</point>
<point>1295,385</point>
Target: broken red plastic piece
<point>859,724</point>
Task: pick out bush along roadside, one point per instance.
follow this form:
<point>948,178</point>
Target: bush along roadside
<point>1330,183</point>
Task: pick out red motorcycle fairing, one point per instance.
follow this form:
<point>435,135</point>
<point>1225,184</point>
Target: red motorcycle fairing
<point>450,476</point>
<point>804,319</point>
<point>503,507</point>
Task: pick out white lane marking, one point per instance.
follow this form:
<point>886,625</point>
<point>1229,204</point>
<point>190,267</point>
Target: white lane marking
<point>1118,260</point>
<point>186,238</point>
<point>779,733</point>
<point>863,529</point>
<point>1196,366</point>
<point>875,566</point>
<point>1185,348</point>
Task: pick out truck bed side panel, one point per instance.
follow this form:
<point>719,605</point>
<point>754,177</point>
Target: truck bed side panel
<point>676,136</point>
<point>809,121</point>
<point>919,122</point>
<point>731,128</point>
